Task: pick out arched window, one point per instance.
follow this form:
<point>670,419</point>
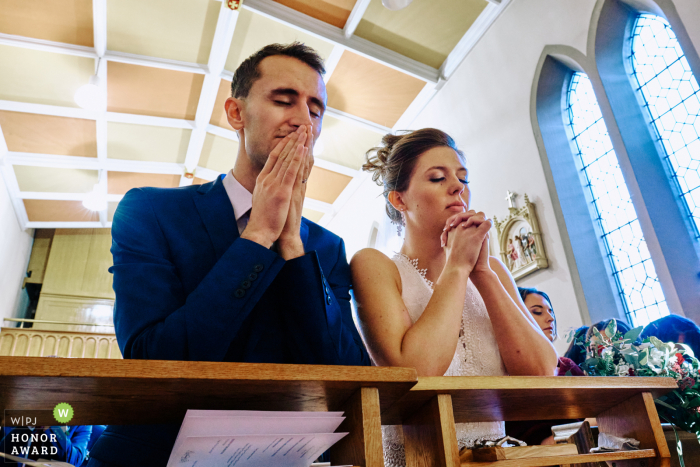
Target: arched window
<point>672,98</point>
<point>631,265</point>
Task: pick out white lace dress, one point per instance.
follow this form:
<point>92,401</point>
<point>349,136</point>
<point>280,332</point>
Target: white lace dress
<point>477,354</point>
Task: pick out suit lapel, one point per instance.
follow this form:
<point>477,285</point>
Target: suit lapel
<point>216,212</point>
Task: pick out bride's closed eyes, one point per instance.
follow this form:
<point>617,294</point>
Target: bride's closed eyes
<point>438,180</point>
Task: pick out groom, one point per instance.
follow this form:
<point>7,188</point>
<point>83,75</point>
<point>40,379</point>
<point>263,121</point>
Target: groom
<point>229,271</point>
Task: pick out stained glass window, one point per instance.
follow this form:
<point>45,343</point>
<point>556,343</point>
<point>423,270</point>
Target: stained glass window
<point>632,268</point>
<point>672,98</point>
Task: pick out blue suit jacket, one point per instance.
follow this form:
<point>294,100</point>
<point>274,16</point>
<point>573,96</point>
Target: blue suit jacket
<point>189,288</point>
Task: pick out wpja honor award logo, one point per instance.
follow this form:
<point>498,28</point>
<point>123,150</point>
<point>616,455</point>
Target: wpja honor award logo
<point>63,413</point>
<point>28,433</point>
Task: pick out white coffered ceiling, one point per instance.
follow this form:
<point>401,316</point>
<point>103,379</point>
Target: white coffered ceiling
<point>166,66</point>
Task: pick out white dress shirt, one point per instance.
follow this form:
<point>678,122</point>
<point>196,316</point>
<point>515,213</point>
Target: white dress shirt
<point>241,200</point>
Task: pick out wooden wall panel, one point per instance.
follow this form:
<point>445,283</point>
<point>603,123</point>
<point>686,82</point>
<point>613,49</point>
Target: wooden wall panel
<point>70,309</point>
<point>40,77</point>
<point>370,90</point>
<point>46,134</point>
<point>426,31</point>
<point>54,180</point>
<point>41,210</point>
<point>218,115</point>
<point>119,183</point>
<point>68,21</point>
<point>312,215</point>
<point>178,30</point>
<point>152,91</point>
<point>78,264</point>
<point>335,12</point>
<point>325,185</point>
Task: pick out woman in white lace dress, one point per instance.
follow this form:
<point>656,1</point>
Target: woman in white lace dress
<point>441,305</point>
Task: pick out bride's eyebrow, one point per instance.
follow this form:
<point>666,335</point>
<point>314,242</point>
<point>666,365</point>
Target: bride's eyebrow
<point>445,169</point>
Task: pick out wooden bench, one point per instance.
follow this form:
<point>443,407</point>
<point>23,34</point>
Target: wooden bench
<point>124,392</point>
<point>623,407</point>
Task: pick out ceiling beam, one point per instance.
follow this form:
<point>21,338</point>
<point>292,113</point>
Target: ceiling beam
<point>110,55</point>
<point>92,163</point>
<point>156,62</point>
<point>47,46</point>
<point>134,119</point>
<point>68,225</point>
<point>43,195</point>
<point>317,205</point>
<point>99,28</point>
<point>75,112</point>
<point>333,167</point>
<point>332,61</point>
<point>355,17</point>
<point>359,121</point>
<point>223,35</point>
<point>223,132</point>
<point>336,36</point>
<point>475,32</point>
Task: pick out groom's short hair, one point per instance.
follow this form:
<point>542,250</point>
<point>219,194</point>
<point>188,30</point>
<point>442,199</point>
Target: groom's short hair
<point>247,72</point>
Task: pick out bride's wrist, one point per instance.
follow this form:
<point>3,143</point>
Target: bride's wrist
<point>480,276</point>
<point>458,269</point>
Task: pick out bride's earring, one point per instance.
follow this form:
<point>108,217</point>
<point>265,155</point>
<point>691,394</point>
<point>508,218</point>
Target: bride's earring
<point>400,223</point>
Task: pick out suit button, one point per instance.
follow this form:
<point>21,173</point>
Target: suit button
<point>327,291</point>
<point>258,267</point>
<point>245,284</point>
<point>328,299</point>
<point>239,293</point>
<point>252,276</point>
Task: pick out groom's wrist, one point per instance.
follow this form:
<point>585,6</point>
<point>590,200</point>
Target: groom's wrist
<point>290,247</point>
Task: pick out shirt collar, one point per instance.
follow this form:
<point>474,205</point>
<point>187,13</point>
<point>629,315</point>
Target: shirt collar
<point>241,198</point>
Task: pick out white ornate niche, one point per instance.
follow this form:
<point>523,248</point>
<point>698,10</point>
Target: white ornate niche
<point>520,240</point>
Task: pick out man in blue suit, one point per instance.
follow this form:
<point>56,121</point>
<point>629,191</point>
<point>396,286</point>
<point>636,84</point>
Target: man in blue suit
<point>229,270</point>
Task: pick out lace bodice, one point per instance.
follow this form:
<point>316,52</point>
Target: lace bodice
<point>477,354</point>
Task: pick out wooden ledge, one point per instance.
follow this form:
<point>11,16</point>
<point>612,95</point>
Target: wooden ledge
<point>482,398</point>
<point>123,392</point>
<point>559,460</point>
<point>156,369</point>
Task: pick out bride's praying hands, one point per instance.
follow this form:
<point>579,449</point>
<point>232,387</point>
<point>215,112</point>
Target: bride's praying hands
<point>441,305</point>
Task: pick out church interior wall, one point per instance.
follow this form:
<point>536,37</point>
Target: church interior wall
<point>485,107</point>
<point>15,247</point>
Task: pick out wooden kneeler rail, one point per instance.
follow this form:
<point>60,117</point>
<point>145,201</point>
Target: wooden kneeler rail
<point>623,407</point>
<point>128,392</point>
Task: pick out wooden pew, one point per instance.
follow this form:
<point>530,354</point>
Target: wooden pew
<point>623,407</point>
<point>123,392</point>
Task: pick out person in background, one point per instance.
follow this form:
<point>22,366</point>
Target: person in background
<point>674,328</point>
<point>96,432</point>
<point>537,432</point>
<point>541,308</point>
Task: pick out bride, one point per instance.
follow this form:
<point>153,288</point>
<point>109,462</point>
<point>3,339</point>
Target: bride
<point>441,305</point>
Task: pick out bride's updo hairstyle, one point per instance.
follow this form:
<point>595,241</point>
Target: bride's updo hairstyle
<point>393,162</point>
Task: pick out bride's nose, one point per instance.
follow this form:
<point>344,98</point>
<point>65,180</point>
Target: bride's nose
<point>456,186</point>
